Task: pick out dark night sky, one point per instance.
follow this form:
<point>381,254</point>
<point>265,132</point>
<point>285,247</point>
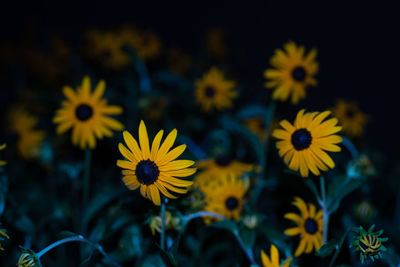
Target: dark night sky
<point>358,42</point>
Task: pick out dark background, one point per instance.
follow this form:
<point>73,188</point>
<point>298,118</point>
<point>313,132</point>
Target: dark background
<point>357,42</point>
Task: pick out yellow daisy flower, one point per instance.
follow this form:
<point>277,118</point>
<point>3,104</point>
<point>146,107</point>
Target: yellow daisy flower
<point>213,91</point>
<point>87,114</point>
<point>29,140</point>
<point>222,165</point>
<point>302,145</point>
<point>293,72</point>
<point>257,126</point>
<point>309,227</point>
<point>2,147</point>
<point>274,260</point>
<point>350,117</point>
<point>154,170</point>
<point>146,43</point>
<point>225,196</point>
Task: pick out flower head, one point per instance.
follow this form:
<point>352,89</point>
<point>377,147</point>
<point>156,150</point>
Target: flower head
<point>257,126</point>
<point>3,235</point>
<point>87,114</point>
<point>309,227</point>
<point>304,143</point>
<point>350,117</point>
<point>146,44</point>
<point>273,261</point>
<point>154,170</point>
<point>2,147</point>
<point>293,71</point>
<point>369,243</point>
<point>213,91</point>
<point>28,259</point>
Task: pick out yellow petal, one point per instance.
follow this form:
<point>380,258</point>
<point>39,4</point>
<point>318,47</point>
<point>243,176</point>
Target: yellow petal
<point>155,145</point>
<point>168,143</point>
<point>132,145</point>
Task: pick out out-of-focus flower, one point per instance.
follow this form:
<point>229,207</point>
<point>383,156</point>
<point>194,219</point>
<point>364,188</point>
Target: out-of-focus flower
<point>153,107</point>
<point>28,259</point>
<point>220,166</point>
<point>226,196</point>
<point>361,166</point>
<point>154,170</point>
<point>292,73</point>
<point>2,147</point>
<point>274,260</point>
<point>146,44</point>
<point>178,61</point>
<point>302,144</point>
<point>213,91</point>
<point>369,244</point>
<point>365,211</point>
<point>352,119</point>
<point>257,126</point>
<point>22,125</point>
<point>155,223</point>
<point>251,221</point>
<point>3,235</point>
<point>309,227</point>
<point>87,114</point>
<point>216,44</point>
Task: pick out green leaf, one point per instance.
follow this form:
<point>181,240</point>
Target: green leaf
<point>228,225</point>
<point>327,249</point>
<point>98,202</point>
<point>248,236</point>
<point>334,202</point>
<point>310,183</point>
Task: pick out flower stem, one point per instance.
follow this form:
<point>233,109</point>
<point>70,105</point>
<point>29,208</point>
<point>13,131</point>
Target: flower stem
<point>86,177</point>
<point>78,238</point>
<point>325,211</point>
<point>162,234</point>
<point>248,252</point>
<point>198,214</point>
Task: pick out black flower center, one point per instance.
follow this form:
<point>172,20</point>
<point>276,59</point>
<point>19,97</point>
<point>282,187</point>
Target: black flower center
<point>231,203</point>
<point>350,113</point>
<point>83,112</point>
<point>210,91</point>
<point>147,172</point>
<point>299,74</point>
<point>223,160</point>
<point>311,226</point>
<point>301,139</point>
<point>262,124</point>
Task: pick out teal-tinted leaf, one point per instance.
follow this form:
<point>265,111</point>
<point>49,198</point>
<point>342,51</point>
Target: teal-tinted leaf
<point>252,111</point>
<point>25,225</point>
<point>98,202</point>
<point>248,236</point>
<point>228,225</point>
<point>327,249</point>
<point>333,203</point>
<point>310,183</point>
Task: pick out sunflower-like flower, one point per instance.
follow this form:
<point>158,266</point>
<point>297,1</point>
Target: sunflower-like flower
<point>3,235</point>
<point>257,126</point>
<point>213,91</point>
<point>226,196</point>
<point>302,145</point>
<point>369,244</point>
<point>22,125</point>
<point>309,227</point>
<point>274,260</point>
<point>146,44</point>
<point>220,166</point>
<point>350,117</point>
<point>28,259</point>
<point>87,114</point>
<point>2,147</point>
<point>154,170</point>
<point>293,72</point>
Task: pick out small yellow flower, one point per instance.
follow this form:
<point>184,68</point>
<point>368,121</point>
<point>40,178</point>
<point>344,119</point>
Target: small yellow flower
<point>146,44</point>
<point>274,260</point>
<point>350,117</point>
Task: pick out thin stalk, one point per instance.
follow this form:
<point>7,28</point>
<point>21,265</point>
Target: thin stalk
<point>269,123</point>
<point>86,177</point>
<point>325,211</point>
<point>162,234</point>
<point>338,247</point>
<point>198,214</point>
<point>77,239</point>
<point>248,252</point>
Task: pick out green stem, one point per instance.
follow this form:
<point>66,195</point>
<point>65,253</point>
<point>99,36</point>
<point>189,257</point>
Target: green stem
<point>198,214</point>
<point>248,252</point>
<point>269,123</point>
<point>325,211</point>
<point>338,247</point>
<point>162,234</point>
<point>78,238</point>
<point>86,177</point>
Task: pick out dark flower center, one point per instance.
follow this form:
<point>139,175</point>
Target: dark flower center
<point>350,113</point>
<point>106,54</point>
<point>262,124</point>
<point>210,91</point>
<point>231,203</point>
<point>147,172</point>
<point>223,160</point>
<point>299,74</point>
<point>83,112</point>
<point>311,226</point>
<point>301,139</point>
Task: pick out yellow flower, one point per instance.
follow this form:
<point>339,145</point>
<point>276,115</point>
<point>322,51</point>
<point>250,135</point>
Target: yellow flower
<point>293,72</point>
<point>154,170</point>
<point>29,140</point>
<point>2,235</point>
<point>350,117</point>
<point>2,147</point>
<point>303,144</point>
<point>274,260</point>
<point>216,44</point>
<point>155,223</point>
<point>87,114</point>
<point>146,43</point>
<point>257,126</point>
<point>27,260</point>
<point>226,196</point>
<point>213,91</point>
<point>309,227</point>
<point>220,166</point>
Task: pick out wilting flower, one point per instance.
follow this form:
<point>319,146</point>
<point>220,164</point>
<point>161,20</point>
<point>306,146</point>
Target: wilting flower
<point>309,227</point>
<point>87,114</point>
<point>28,259</point>
<point>213,91</point>
<point>3,235</point>
<point>220,166</point>
<point>22,125</point>
<point>2,147</point>
<point>226,196</point>
<point>352,119</point>
<point>154,170</point>
<point>369,243</point>
<point>274,260</point>
<point>171,222</point>
<point>293,72</point>
<point>303,144</point>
